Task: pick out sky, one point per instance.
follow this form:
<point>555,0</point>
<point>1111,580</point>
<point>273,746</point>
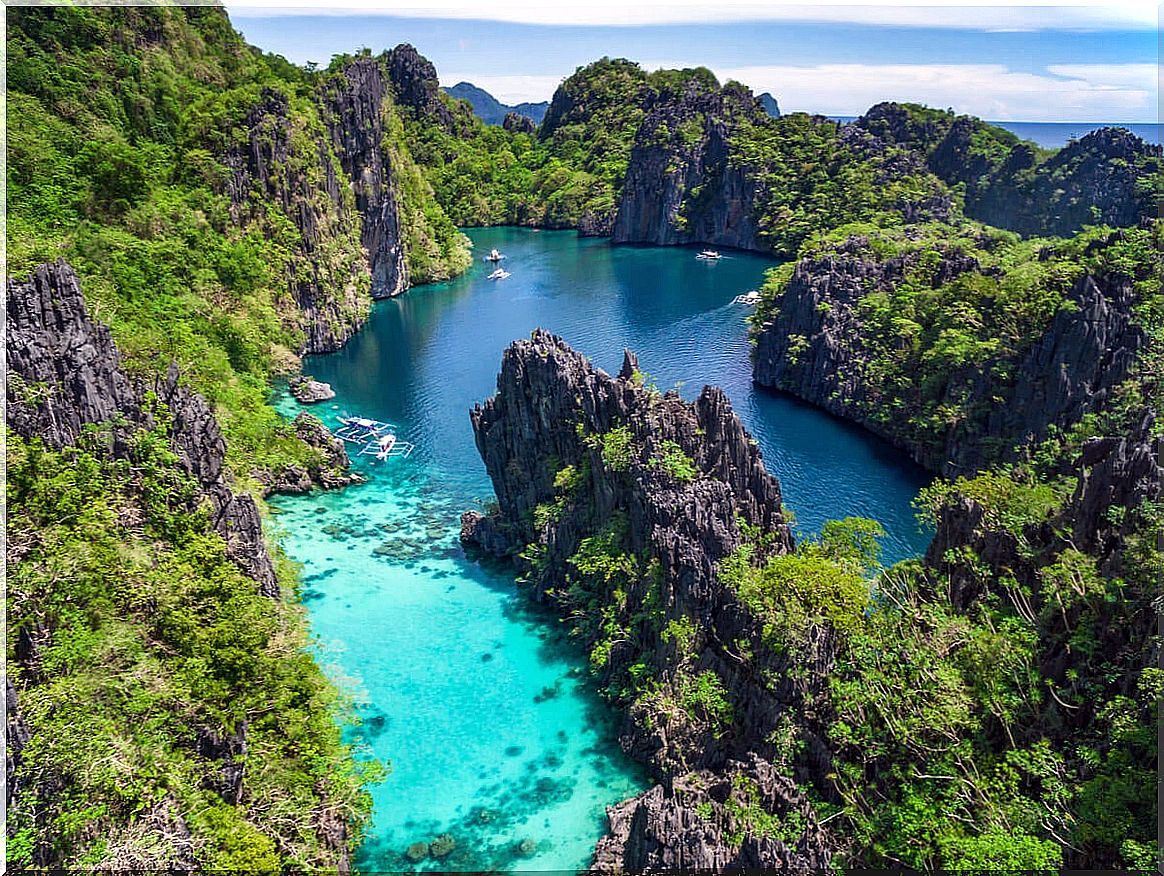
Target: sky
<point>999,62</point>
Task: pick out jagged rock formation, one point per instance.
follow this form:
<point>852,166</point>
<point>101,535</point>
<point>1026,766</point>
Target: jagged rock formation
<point>65,373</point>
<point>516,123</point>
<point>768,102</point>
<point>661,830</point>
<point>326,276</point>
<point>815,346</point>
<point>664,490</point>
<point>682,146</point>
<point>1102,178</point>
<point>353,107</point>
<point>415,84</point>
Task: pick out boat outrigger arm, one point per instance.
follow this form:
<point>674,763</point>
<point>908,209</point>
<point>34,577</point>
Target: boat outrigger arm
<point>360,430</point>
<point>386,446</point>
<point>377,438</point>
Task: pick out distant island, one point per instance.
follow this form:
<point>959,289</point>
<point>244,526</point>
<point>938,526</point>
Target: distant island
<point>492,111</point>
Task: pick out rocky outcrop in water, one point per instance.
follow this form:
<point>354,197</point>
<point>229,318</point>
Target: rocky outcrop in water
<point>353,107</point>
<point>815,346</point>
<point>308,391</point>
<point>64,373</point>
<point>330,469</point>
<point>682,146</point>
<point>594,472</point>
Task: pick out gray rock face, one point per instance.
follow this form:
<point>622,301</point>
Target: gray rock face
<point>813,347</point>
<point>331,470</point>
<point>308,391</point>
<point>353,106</point>
<point>415,84</point>
<point>1115,472</point>
<point>771,107</point>
<point>518,124</point>
<point>65,372</point>
<point>692,155</point>
<point>229,750</point>
<point>16,736</point>
<point>555,412</point>
<point>328,295</point>
<point>679,827</point>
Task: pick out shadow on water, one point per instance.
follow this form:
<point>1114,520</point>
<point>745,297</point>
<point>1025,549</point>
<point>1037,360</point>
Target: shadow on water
<point>881,450</point>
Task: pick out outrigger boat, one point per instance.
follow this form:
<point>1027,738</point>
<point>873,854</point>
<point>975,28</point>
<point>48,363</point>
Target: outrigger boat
<point>378,438</point>
<point>709,255</point>
<point>500,274</point>
<point>494,256</point>
<point>749,298</point>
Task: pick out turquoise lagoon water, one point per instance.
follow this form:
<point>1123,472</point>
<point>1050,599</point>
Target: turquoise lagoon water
<point>479,706</point>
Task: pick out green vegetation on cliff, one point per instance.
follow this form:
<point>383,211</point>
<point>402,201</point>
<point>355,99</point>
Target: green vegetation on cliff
<point>117,146</point>
<point>935,309</point>
<point>812,174</point>
<point>173,717</point>
<point>144,662</point>
<point>985,714</point>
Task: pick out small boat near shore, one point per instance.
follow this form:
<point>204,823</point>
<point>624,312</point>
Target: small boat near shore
<point>494,256</point>
<point>500,274</point>
<point>749,298</point>
<point>709,255</point>
<point>377,437</point>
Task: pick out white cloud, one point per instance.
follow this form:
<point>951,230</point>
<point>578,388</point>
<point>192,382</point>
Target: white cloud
<point>1143,77</point>
<point>990,15</point>
<point>510,89</point>
<point>1078,93</point>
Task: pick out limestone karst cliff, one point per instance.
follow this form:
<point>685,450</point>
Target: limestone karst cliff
<point>765,685</point>
<point>65,373</point>
<point>353,108</point>
<point>956,393</point>
<point>618,504</point>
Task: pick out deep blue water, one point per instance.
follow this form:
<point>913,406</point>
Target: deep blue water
<point>483,713</point>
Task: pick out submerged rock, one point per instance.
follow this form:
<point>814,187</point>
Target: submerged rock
<point>442,846</point>
<point>416,852</point>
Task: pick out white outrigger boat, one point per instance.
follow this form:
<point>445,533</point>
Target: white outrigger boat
<point>494,256</point>
<point>377,438</point>
<point>500,274</point>
<point>709,255</point>
<point>750,298</point>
